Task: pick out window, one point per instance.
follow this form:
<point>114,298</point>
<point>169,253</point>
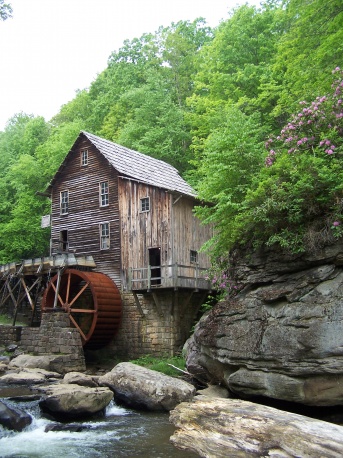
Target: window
<point>194,256</point>
<point>63,242</point>
<point>145,204</point>
<point>104,236</point>
<point>64,202</point>
<point>84,157</point>
<point>104,197</point>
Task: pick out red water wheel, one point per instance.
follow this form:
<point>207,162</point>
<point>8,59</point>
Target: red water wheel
<point>92,301</point>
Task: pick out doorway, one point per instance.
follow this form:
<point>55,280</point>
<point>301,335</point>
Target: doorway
<point>155,265</point>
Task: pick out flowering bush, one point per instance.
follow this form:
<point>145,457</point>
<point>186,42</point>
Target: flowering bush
<point>296,200</point>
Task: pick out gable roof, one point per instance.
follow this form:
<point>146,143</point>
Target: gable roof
<point>143,168</point>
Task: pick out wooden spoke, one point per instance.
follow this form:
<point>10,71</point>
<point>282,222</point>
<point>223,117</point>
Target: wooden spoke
<point>68,288</point>
<point>78,294</point>
<point>78,327</point>
<point>59,297</point>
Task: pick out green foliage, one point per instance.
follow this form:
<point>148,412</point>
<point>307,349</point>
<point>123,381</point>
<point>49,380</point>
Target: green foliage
<point>5,10</point>
<point>296,201</point>
<point>162,364</point>
<point>232,157</point>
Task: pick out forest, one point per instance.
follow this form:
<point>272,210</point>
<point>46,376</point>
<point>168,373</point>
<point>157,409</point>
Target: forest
<point>250,112</point>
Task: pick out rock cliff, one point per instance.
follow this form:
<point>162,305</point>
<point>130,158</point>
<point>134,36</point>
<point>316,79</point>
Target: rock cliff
<point>281,336</point>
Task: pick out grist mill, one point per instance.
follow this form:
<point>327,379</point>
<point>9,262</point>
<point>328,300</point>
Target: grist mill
<point>125,262</point>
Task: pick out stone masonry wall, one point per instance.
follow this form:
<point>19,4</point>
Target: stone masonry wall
<point>159,330</point>
<point>9,334</point>
<point>55,336</point>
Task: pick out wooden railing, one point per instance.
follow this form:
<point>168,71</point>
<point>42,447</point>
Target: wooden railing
<point>168,276</point>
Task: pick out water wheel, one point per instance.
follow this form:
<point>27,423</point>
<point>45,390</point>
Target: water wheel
<point>92,301</point>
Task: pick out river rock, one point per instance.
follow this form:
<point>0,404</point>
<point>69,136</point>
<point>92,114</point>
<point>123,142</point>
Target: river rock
<point>146,389</point>
<point>13,418</point>
<point>281,335</point>
<point>28,376</point>
<point>221,428</point>
<point>74,401</point>
<point>79,378</point>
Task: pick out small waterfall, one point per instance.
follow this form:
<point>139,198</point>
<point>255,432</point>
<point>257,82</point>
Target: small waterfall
<point>120,432</point>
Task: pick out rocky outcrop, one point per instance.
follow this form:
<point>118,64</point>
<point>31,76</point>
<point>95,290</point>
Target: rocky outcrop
<point>74,401</point>
<point>282,335</point>
<point>13,418</point>
<point>146,389</point>
<point>219,428</point>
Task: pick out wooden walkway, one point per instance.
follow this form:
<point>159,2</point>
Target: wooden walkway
<point>25,281</point>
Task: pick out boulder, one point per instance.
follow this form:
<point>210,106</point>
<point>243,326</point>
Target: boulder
<point>74,401</point>
<point>146,389</point>
<point>214,391</point>
<point>28,376</point>
<point>13,418</point>
<point>281,335</point>
<point>79,378</point>
<point>38,362</point>
<point>219,428</point>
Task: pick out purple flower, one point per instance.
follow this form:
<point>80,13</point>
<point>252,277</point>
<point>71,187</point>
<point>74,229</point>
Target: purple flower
<point>336,223</point>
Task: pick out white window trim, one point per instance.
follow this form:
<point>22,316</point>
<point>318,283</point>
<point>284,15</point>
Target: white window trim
<point>83,156</point>
<point>106,237</point>
<point>62,202</point>
<point>101,194</point>
<point>141,202</point>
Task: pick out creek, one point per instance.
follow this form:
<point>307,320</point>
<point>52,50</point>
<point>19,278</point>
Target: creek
<point>118,432</point>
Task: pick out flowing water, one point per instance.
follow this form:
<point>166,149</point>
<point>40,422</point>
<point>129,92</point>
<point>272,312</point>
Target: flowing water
<point>120,432</point>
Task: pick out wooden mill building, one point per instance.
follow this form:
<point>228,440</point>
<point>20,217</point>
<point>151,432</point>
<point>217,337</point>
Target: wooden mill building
<point>133,215</point>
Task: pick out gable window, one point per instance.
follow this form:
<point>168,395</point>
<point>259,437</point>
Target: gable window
<point>104,195</point>
<point>145,204</point>
<point>104,236</point>
<point>193,256</point>
<point>64,202</point>
<point>84,157</point>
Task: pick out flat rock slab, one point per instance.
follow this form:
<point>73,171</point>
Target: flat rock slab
<point>221,428</point>
<point>28,376</point>
<point>145,389</point>
<point>74,401</point>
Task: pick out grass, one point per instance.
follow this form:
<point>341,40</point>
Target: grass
<point>162,364</point>
<point>6,320</point>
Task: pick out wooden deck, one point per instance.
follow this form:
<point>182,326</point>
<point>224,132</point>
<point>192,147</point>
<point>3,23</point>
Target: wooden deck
<point>169,276</point>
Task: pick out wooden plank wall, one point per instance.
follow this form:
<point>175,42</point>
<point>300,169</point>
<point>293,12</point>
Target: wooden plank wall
<point>188,233</point>
<point>85,214</point>
<point>143,230</point>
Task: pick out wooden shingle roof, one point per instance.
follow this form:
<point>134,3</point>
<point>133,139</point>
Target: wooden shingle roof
<point>141,167</point>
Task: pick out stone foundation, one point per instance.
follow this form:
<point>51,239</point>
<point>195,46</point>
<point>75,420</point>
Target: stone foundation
<point>54,337</point>
<point>155,329</point>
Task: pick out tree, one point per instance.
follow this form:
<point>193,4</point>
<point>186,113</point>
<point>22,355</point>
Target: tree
<point>232,157</point>
<point>5,10</point>
<point>296,200</point>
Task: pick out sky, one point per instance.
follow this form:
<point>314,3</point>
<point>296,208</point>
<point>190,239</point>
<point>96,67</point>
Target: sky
<point>52,48</point>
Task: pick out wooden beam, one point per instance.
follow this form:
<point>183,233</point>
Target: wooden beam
<point>138,305</point>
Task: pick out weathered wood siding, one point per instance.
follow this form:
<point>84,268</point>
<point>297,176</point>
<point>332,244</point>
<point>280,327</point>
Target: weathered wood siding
<point>143,230</point>
<point>169,225</point>
<point>188,234</point>
<point>85,214</point>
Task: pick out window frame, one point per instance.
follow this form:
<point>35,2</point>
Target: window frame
<point>193,257</point>
<point>84,157</point>
<point>64,202</point>
<point>105,236</point>
<point>104,194</point>
<point>145,204</point>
